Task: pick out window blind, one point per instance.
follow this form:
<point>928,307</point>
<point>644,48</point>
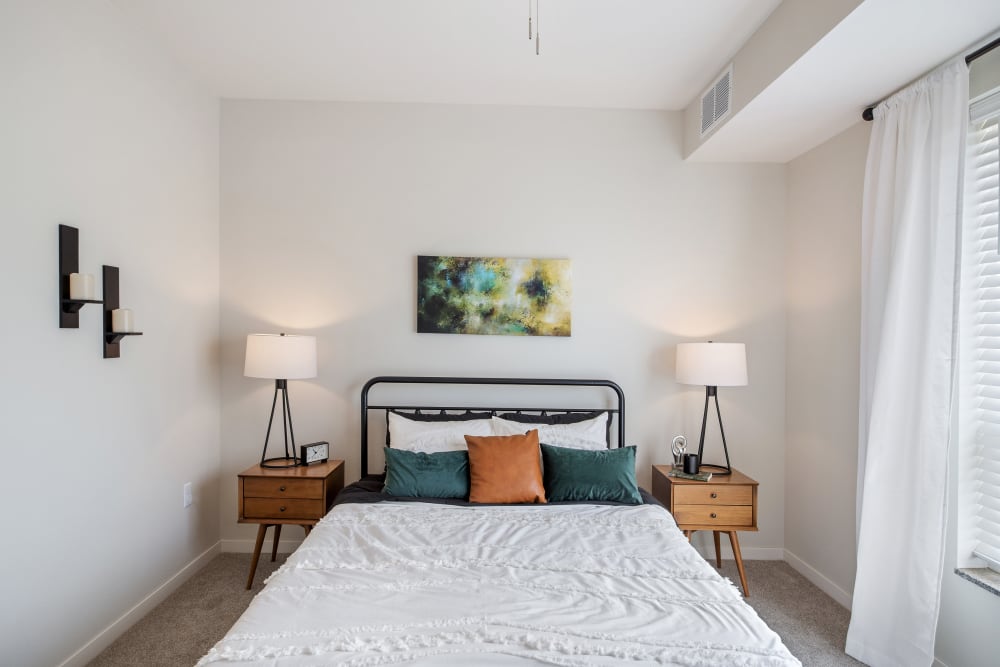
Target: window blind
<point>980,339</point>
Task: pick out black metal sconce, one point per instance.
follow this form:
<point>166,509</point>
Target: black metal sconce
<point>112,338</point>
<point>69,263</point>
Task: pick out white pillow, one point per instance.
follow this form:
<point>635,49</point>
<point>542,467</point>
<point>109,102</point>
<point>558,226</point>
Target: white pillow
<point>589,434</point>
<point>432,437</point>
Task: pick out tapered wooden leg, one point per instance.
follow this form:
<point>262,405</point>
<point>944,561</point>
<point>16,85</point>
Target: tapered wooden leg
<point>308,528</point>
<point>718,550</point>
<point>735,541</point>
<point>261,531</point>
<point>687,534</point>
<point>274,547</point>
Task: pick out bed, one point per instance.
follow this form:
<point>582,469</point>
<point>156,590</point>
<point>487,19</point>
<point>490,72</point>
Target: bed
<point>387,580</point>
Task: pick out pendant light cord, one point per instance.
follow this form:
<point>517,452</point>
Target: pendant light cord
<point>538,26</point>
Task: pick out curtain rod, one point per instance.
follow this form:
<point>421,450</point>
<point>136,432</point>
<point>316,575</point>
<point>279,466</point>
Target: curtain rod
<point>978,53</point>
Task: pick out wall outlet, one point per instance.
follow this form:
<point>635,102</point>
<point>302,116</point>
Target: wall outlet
<point>188,495</point>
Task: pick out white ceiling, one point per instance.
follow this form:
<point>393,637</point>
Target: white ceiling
<point>634,54</point>
<point>880,47</point>
<point>631,54</point>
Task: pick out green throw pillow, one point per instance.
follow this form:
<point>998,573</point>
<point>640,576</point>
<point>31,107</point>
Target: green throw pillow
<point>586,474</point>
<point>420,475</point>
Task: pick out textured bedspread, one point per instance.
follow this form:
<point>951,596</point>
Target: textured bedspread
<point>421,584</point>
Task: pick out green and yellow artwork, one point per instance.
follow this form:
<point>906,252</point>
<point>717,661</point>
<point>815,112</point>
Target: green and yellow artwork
<point>494,295</point>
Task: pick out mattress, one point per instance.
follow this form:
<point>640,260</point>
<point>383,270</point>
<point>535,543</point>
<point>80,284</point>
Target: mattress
<point>416,583</point>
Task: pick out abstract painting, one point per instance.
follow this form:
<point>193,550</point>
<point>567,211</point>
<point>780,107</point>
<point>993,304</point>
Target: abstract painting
<point>494,295</point>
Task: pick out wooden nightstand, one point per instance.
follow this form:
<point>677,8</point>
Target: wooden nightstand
<point>724,504</point>
<point>276,496</point>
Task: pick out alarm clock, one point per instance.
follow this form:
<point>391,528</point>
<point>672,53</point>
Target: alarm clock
<point>314,452</point>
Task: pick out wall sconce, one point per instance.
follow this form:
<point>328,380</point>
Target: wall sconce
<point>118,322</point>
<point>76,289</point>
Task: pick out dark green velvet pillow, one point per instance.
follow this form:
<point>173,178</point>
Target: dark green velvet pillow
<point>420,475</point>
<point>587,474</point>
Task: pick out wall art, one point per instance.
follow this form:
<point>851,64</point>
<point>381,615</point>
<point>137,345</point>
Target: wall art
<point>494,295</point>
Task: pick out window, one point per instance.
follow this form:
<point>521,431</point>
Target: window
<point>979,338</point>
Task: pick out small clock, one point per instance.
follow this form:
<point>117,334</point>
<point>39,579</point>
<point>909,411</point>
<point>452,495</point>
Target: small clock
<point>314,452</point>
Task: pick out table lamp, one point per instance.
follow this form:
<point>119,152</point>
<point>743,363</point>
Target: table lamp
<point>713,365</point>
<point>281,358</point>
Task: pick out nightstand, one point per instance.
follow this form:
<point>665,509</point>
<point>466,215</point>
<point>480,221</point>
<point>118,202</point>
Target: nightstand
<point>724,504</point>
<point>276,496</point>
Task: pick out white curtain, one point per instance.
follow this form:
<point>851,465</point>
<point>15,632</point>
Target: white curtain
<point>910,227</point>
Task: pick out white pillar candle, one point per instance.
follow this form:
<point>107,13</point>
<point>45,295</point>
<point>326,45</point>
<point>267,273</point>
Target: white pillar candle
<point>81,286</point>
<point>121,320</point>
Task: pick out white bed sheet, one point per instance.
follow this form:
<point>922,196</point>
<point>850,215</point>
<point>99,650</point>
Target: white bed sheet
<point>422,584</point>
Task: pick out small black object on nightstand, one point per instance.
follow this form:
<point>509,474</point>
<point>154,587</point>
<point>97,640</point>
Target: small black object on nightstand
<point>314,452</point>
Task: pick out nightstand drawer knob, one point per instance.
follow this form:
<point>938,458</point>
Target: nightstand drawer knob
<point>282,509</point>
<point>714,494</point>
<point>282,488</point>
<point>714,515</point>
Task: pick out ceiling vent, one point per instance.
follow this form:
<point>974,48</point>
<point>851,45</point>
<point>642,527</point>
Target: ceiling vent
<point>715,101</point>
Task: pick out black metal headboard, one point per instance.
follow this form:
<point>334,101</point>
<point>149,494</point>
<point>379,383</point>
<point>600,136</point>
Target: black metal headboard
<point>544,382</point>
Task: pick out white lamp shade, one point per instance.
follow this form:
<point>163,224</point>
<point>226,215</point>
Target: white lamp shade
<point>712,364</point>
<point>280,357</point>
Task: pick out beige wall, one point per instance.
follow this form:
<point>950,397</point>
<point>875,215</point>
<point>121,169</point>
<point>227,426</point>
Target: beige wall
<point>823,287</point>
<point>101,133</point>
<point>326,205</point>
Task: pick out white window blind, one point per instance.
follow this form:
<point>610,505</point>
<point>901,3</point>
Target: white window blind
<point>980,333</point>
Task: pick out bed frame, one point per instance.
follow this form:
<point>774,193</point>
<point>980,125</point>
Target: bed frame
<point>618,412</point>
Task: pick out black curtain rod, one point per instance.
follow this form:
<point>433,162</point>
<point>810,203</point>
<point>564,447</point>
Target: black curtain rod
<point>978,53</point>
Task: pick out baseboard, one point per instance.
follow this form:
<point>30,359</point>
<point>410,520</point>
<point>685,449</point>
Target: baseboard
<point>246,546</point>
<point>703,544</point>
<point>105,637</point>
<point>819,580</point>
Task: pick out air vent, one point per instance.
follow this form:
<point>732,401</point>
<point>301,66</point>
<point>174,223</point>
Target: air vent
<point>715,101</point>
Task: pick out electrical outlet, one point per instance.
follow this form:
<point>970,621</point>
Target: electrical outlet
<point>188,495</point>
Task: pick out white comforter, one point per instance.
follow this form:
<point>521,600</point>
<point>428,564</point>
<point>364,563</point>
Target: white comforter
<point>422,584</point>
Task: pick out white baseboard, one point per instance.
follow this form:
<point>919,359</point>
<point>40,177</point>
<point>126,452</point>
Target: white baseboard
<point>703,544</point>
<point>749,553</point>
<point>105,637</point>
<point>821,582</point>
<point>246,546</point>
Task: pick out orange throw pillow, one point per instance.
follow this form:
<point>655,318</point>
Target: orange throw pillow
<point>505,469</point>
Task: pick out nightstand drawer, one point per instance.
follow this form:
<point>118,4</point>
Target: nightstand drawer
<point>713,495</point>
<point>714,515</point>
<point>283,508</point>
<point>262,487</point>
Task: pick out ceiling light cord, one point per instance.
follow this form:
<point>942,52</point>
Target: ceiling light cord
<point>538,26</point>
<point>529,20</point>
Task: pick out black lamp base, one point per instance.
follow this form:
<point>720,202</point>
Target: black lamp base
<point>288,460</point>
<point>280,462</point>
<point>713,468</point>
<point>717,471</point>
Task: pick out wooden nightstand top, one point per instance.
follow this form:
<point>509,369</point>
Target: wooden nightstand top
<point>316,470</point>
<point>737,478</point>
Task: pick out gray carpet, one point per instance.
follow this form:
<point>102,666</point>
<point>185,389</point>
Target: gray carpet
<point>182,629</point>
